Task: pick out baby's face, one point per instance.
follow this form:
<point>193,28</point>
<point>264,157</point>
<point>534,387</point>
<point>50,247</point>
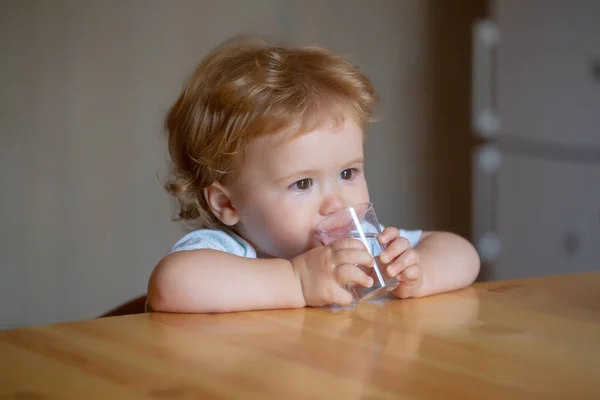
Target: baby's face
<point>286,187</point>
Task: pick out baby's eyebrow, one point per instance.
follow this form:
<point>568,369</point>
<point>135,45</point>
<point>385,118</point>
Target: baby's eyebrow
<point>311,172</point>
<point>359,160</point>
<point>304,172</point>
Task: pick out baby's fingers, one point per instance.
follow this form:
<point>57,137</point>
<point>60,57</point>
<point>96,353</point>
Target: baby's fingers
<point>341,296</point>
<point>398,247</point>
<point>411,275</point>
<point>347,243</point>
<point>390,233</point>
<point>346,274</point>
<point>353,257</point>
<point>405,260</point>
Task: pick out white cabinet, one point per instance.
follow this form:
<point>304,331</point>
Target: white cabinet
<point>547,70</point>
<point>537,175</point>
<point>547,217</point>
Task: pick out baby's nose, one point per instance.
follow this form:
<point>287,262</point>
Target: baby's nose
<point>332,204</point>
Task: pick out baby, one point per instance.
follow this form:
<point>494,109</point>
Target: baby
<point>266,142</point>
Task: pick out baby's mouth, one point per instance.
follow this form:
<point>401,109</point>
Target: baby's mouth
<point>339,232</point>
<point>332,234</point>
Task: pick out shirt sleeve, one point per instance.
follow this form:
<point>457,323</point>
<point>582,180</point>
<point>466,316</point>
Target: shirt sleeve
<point>200,239</point>
<point>214,239</point>
<point>412,236</point>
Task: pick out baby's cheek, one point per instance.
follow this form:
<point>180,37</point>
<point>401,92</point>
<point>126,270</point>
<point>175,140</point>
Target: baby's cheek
<point>289,242</point>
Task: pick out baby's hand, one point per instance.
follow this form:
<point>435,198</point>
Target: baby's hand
<point>403,260</point>
<point>324,270</point>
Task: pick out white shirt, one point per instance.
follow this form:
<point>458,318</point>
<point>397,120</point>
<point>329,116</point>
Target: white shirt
<point>229,242</point>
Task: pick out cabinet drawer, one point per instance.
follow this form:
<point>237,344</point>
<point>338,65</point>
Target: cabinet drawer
<point>548,70</point>
<point>547,216</point>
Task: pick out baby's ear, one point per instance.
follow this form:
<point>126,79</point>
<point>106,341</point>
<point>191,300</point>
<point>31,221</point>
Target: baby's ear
<point>219,201</point>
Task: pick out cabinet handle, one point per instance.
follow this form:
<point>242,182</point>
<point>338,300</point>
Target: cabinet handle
<point>487,160</point>
<point>571,242</point>
<point>484,119</point>
<point>595,69</point>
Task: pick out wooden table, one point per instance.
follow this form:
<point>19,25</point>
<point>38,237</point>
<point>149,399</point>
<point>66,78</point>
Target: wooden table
<point>534,338</point>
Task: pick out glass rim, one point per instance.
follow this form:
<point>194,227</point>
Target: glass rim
<point>368,206</point>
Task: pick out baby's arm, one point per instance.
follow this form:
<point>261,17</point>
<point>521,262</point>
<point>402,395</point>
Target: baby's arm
<point>210,281</point>
<point>448,262</point>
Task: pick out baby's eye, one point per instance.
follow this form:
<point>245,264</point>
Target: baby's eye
<point>348,174</point>
<point>302,184</point>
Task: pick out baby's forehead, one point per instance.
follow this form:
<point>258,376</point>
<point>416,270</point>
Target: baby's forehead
<point>329,142</point>
<point>297,129</point>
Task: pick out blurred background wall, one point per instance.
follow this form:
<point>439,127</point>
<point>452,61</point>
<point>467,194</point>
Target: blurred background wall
<point>85,85</point>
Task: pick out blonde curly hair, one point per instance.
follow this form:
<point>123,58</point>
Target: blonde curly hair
<point>246,88</point>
